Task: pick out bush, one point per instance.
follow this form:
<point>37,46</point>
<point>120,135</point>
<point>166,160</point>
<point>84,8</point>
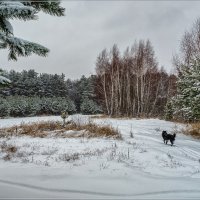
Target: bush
<point>62,104</point>
<point>4,108</point>
<point>88,106</point>
<point>193,130</point>
<point>45,105</point>
<point>20,106</point>
<point>33,106</point>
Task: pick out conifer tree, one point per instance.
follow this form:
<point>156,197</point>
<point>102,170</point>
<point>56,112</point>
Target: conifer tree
<point>88,106</point>
<point>169,110</point>
<point>186,104</point>
<point>23,10</point>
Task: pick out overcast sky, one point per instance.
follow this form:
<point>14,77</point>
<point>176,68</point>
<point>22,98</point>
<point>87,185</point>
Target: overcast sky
<point>90,26</point>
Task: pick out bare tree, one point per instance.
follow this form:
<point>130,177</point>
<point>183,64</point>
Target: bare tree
<point>189,46</point>
<point>132,84</point>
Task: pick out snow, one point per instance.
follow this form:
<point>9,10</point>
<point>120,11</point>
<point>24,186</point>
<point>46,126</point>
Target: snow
<point>138,167</point>
<point>17,121</point>
<point>15,8</point>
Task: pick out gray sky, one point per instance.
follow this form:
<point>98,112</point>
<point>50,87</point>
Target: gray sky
<point>90,26</point>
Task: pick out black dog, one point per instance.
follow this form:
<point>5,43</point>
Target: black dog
<point>167,137</point>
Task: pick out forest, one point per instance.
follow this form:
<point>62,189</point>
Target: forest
<point>31,94</point>
<point>130,85</point>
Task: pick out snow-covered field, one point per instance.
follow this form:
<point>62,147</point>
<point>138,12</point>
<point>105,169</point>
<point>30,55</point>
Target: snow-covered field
<point>139,167</point>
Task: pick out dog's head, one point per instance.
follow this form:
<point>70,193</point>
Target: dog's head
<point>164,133</point>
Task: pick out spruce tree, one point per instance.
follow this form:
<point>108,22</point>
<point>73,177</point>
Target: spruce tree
<point>169,110</point>
<point>186,105</point>
<point>23,10</point>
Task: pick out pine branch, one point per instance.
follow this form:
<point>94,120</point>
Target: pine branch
<point>3,45</point>
<point>48,6</point>
<point>6,26</point>
<point>11,10</point>
<point>23,10</point>
<point>3,80</point>
<point>19,47</point>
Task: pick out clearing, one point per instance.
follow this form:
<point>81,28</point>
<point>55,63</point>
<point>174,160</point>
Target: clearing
<point>135,167</point>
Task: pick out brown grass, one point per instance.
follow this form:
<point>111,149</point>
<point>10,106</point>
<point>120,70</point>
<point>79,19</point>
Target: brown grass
<point>44,129</point>
<point>193,130</point>
<point>92,130</point>
<point>10,150</point>
<point>7,147</point>
<point>34,129</point>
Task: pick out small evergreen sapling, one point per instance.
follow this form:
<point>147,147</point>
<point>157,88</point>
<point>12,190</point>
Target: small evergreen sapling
<point>64,115</point>
<point>169,110</point>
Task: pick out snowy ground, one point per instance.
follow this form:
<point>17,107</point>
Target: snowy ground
<point>139,167</point>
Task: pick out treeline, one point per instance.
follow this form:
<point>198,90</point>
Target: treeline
<point>31,93</point>
<point>132,84</point>
<point>30,83</point>
<point>129,84</point>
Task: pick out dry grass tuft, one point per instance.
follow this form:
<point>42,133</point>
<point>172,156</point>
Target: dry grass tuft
<point>56,129</point>
<point>34,129</point>
<point>193,130</point>
<point>7,157</point>
<point>92,130</point>
<point>9,150</point>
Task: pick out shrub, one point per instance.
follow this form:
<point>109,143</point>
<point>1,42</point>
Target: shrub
<point>4,108</point>
<point>20,106</point>
<point>193,130</point>
<point>88,106</point>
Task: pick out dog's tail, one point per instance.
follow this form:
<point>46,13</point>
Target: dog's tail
<point>174,135</point>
